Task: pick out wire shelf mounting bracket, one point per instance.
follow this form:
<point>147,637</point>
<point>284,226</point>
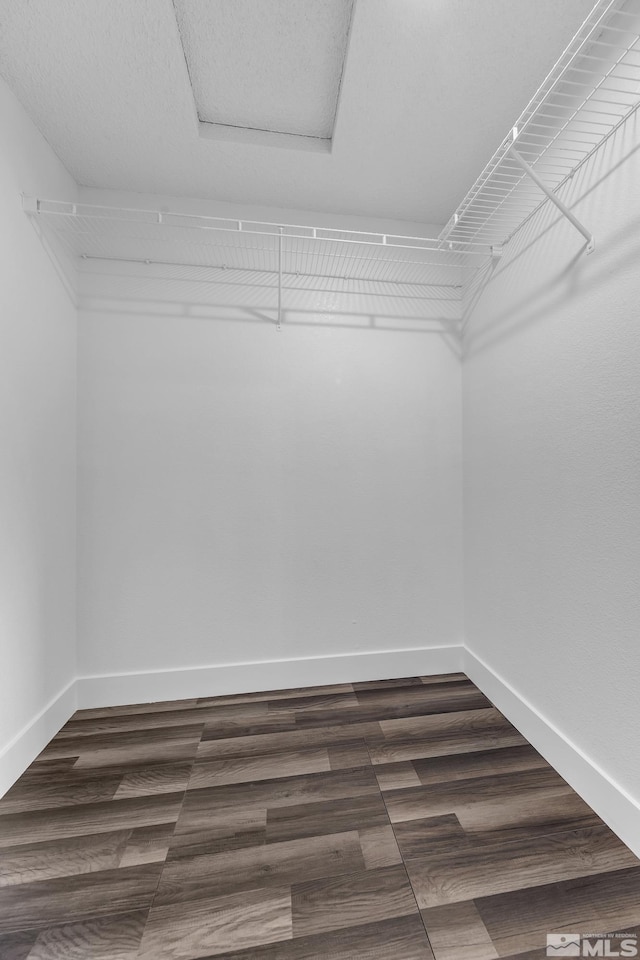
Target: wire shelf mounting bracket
<point>564,210</point>
<point>280,235</point>
<point>29,204</point>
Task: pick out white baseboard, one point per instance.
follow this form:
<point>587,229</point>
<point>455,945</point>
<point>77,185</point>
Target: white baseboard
<point>609,799</point>
<point>16,756</point>
<point>210,681</point>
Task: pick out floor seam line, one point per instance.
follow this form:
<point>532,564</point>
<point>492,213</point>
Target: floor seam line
<point>402,860</point>
<point>164,862</point>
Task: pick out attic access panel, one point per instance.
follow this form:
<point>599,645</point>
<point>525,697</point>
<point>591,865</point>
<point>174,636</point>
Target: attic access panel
<point>266,72</point>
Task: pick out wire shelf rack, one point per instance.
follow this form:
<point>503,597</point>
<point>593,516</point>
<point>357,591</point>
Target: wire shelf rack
<point>110,233</point>
<point>592,89</point>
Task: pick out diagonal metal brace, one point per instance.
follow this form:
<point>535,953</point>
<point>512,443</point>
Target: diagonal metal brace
<point>554,199</point>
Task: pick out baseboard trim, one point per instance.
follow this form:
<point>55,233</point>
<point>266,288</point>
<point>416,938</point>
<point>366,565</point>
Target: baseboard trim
<point>209,681</point>
<point>16,756</point>
<point>608,798</point>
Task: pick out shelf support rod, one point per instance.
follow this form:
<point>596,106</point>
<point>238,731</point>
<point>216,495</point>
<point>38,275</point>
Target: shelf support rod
<point>279,324</point>
<point>551,195</point>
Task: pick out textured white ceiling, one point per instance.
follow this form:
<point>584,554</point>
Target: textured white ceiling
<point>273,65</point>
<point>430,88</point>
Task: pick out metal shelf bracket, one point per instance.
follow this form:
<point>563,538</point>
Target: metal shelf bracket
<point>512,152</point>
<point>279,323</point>
<point>29,204</point>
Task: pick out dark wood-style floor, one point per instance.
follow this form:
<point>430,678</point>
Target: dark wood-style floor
<point>395,820</point>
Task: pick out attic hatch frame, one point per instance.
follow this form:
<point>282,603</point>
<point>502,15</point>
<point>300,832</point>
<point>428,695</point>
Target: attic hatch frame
<point>592,89</point>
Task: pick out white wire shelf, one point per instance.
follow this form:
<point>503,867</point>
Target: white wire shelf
<point>110,233</point>
<point>589,93</point>
<point>591,90</point>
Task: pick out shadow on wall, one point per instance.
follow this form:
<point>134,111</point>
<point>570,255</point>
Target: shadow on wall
<point>122,286</point>
<point>547,234</point>
<point>200,293</point>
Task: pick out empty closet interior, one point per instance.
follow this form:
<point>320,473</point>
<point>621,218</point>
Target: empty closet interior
<point>336,384</point>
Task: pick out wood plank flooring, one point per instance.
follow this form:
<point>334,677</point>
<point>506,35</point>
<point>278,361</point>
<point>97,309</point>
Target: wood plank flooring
<point>392,820</point>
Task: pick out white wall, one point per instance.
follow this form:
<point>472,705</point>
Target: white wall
<point>252,211</point>
<point>551,433</point>
<point>250,495</point>
<point>37,452</point>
